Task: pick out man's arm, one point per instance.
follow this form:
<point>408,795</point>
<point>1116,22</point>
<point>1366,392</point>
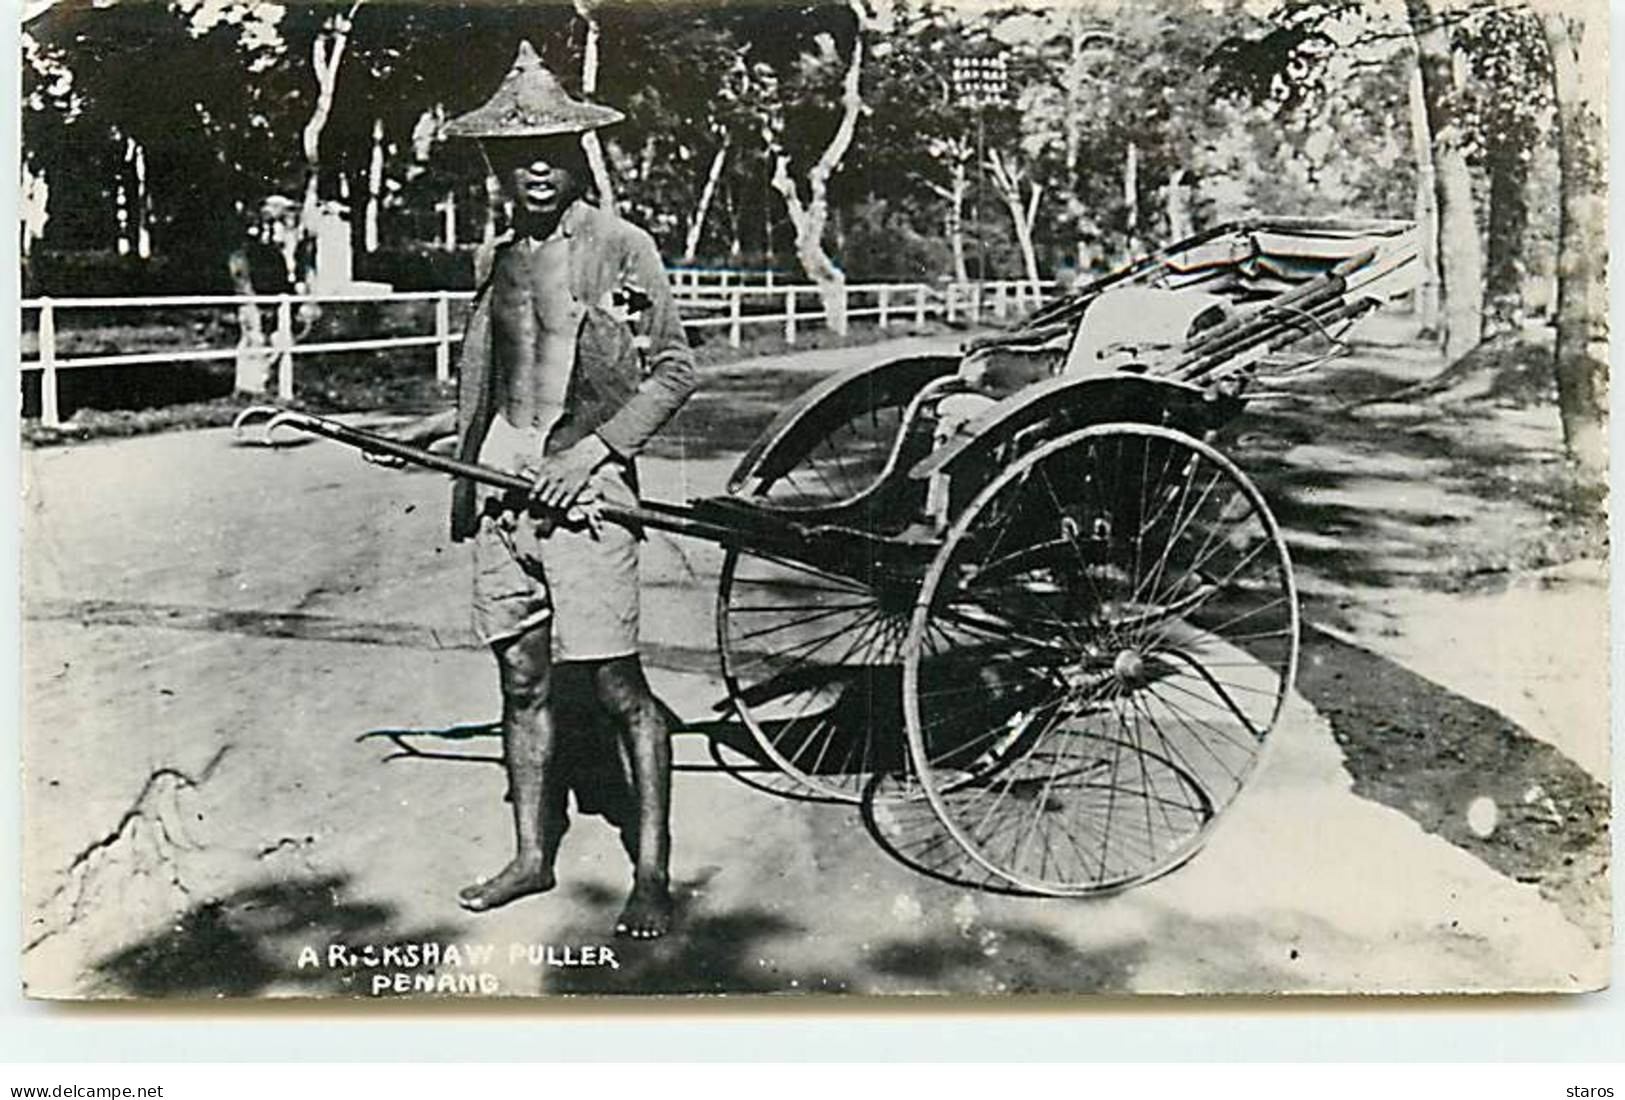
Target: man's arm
<point>671,375</point>
<point>670,380</point>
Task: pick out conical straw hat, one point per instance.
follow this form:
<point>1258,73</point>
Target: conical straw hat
<point>531,102</point>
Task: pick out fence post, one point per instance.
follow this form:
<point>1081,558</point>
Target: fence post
<point>284,347</point>
<point>949,297</point>
<point>735,308</point>
<point>50,414</point>
<point>1001,303</point>
<point>790,315</point>
<point>919,305</point>
<point>884,305</point>
<point>442,337</point>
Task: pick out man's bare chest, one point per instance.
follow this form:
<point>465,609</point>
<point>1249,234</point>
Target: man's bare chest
<point>533,289</point>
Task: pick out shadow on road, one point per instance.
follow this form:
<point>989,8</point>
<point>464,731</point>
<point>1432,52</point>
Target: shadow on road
<point>249,942</point>
<point>910,832</point>
<point>749,950</point>
<point>1005,958</point>
<point>706,953</point>
<point>1379,481</point>
<point>1428,752</point>
<point>424,744</point>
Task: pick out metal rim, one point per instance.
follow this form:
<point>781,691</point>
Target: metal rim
<point>829,681</point>
<point>841,465</point>
<point>1107,688</point>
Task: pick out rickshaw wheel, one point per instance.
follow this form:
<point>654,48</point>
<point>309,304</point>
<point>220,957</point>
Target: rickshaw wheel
<point>838,462</point>
<point>1097,656</point>
<point>811,661</point>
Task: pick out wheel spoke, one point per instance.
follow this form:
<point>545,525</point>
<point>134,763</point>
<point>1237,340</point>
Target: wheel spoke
<point>804,655</point>
<point>1109,602</point>
<point>804,650</point>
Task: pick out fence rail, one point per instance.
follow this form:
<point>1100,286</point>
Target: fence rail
<point>731,305</point>
<point>684,277</point>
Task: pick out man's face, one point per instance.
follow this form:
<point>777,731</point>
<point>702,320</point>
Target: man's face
<point>541,175</point>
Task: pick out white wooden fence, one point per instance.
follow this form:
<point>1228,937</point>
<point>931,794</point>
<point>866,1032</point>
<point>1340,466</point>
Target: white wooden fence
<point>732,305</point>
<point>684,277</point>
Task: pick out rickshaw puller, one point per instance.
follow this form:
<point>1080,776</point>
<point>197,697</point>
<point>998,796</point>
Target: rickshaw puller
<point>573,358</point>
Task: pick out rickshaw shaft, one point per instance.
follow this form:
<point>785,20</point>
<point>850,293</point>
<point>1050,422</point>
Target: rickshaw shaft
<point>655,515</point>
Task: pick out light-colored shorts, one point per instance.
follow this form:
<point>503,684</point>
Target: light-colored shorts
<point>529,572</point>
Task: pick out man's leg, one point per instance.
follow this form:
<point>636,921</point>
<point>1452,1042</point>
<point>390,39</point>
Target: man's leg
<point>525,667</point>
<point>625,694</point>
<point>592,761</point>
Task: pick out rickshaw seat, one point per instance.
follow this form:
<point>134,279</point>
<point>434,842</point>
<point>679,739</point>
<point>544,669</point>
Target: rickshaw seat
<point>1136,324</point>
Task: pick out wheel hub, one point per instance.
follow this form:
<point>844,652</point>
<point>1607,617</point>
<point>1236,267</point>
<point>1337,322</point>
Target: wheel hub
<point>1129,668</point>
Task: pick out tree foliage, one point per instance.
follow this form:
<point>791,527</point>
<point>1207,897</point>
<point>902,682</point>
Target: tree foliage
<point>1130,122</point>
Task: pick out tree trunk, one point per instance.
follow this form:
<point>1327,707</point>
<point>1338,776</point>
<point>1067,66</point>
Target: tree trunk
<point>1505,269</point>
<point>959,187</point>
<point>1178,207</point>
<point>810,218</point>
<point>326,54</point>
<point>1007,180</point>
<point>954,216</point>
<point>448,219</point>
<point>1024,234</point>
<point>809,221</point>
<point>730,209</point>
<point>33,207</point>
<point>1461,263</point>
<point>494,202</point>
<point>696,228</point>
<point>375,186</point>
<point>1073,114</point>
<point>139,208</point>
<point>589,88</point>
<point>1579,83</point>
<point>1426,206</point>
<point>121,210</point>
<point>130,201</point>
<point>1131,201</point>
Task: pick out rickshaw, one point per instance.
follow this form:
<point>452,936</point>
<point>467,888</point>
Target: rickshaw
<point>1021,584</point>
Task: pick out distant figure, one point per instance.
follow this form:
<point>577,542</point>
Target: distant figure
<point>273,247</point>
<point>272,260</point>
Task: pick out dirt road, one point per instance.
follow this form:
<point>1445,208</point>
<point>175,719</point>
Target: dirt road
<point>257,724</point>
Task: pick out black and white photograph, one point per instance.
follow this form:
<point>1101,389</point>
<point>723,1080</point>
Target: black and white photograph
<point>824,498</point>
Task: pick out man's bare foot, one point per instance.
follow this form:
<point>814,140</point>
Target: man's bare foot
<point>647,915</point>
<point>516,880</point>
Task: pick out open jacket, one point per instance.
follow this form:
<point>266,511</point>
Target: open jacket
<point>633,367</point>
